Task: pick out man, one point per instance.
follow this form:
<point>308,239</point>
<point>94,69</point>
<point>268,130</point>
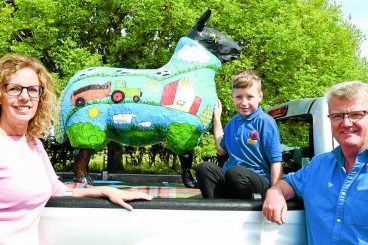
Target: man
<point>334,185</point>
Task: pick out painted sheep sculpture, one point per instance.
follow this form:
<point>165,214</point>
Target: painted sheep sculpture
<point>146,106</point>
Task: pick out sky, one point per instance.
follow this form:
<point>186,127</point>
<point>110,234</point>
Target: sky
<point>358,10</point>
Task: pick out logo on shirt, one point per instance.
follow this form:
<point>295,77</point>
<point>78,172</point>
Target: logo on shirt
<point>253,134</point>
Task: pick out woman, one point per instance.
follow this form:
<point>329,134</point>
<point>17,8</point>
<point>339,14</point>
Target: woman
<point>27,179</point>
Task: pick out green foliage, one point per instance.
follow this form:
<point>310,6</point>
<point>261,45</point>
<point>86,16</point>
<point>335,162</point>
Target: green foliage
<point>300,44</point>
<point>86,135</point>
<point>182,137</point>
<point>145,168</point>
<point>136,136</point>
<point>72,62</point>
<point>300,47</point>
<point>206,150</point>
<point>97,163</point>
<point>295,134</point>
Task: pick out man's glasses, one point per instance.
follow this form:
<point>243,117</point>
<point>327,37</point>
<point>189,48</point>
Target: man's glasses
<point>13,89</point>
<point>353,116</point>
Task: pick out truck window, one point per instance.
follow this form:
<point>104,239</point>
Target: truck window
<point>296,135</point>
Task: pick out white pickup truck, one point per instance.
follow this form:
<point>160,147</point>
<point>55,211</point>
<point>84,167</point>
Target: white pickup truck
<point>305,131</point>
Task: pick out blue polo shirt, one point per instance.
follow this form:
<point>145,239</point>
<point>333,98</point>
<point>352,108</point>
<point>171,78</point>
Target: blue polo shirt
<point>336,202</point>
<point>252,142</point>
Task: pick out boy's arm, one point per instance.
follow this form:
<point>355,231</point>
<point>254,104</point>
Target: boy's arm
<point>276,172</point>
<point>217,128</point>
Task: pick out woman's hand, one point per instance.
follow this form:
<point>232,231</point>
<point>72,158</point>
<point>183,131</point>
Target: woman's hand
<point>119,197</point>
<point>115,195</point>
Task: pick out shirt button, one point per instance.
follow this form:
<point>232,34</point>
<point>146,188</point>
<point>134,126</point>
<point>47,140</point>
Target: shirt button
<point>343,193</point>
<point>338,220</point>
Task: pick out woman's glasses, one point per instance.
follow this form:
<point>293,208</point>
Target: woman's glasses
<point>14,89</point>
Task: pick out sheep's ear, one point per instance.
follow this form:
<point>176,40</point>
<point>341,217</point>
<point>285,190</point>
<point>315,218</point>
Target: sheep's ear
<point>203,20</point>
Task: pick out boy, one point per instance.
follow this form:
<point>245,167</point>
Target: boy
<point>252,141</point>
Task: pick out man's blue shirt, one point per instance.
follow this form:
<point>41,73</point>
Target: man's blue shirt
<point>336,202</point>
<point>252,142</point>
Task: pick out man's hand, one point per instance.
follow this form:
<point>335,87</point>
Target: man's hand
<point>274,206</point>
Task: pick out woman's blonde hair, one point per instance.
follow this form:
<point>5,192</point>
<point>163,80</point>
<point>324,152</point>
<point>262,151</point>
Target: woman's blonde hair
<point>43,119</point>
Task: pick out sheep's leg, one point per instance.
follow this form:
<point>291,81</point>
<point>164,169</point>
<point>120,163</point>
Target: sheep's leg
<point>81,160</point>
<point>186,160</point>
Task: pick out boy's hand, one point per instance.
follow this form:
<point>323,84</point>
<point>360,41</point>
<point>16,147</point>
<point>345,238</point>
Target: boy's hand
<point>217,128</point>
<point>218,110</point>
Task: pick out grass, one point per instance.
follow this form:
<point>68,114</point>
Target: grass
<point>98,164</point>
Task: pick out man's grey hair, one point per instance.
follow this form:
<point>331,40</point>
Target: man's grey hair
<point>347,90</point>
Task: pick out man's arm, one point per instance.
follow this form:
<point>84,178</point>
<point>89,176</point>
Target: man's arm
<point>274,206</point>
<point>217,128</point>
<point>276,172</point>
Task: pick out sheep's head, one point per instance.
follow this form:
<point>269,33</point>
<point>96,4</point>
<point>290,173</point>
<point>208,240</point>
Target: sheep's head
<point>216,42</point>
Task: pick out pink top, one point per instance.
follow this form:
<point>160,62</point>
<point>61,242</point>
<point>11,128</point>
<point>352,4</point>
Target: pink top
<point>27,180</point>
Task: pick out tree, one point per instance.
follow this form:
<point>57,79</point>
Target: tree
<point>114,158</point>
<point>300,47</point>
<point>299,44</point>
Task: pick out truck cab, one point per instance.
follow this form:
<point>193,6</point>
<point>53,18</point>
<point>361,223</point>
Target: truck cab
<point>305,130</point>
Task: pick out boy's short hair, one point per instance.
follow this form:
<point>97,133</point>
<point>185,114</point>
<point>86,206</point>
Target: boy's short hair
<point>246,79</point>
